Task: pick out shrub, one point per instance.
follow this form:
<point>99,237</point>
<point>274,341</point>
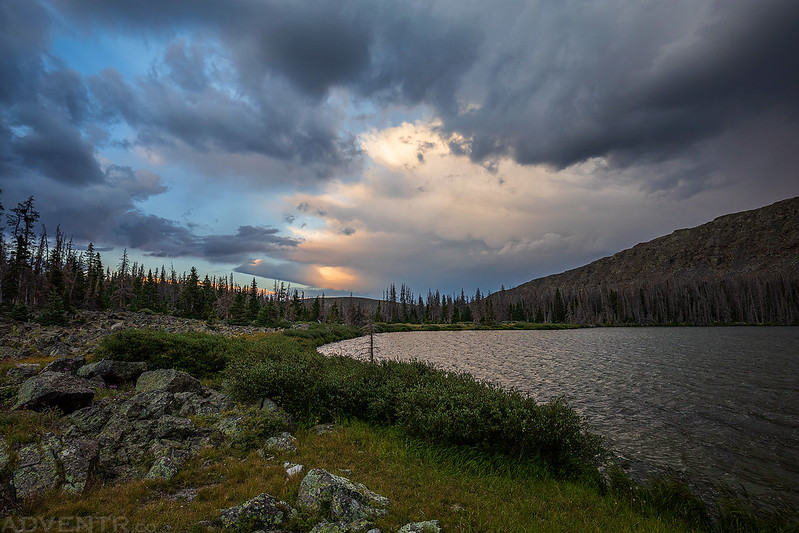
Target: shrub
<point>257,425</point>
<point>428,403</point>
<point>199,354</point>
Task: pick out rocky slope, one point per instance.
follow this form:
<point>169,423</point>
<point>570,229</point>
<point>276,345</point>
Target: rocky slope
<point>760,241</point>
<point>742,267</point>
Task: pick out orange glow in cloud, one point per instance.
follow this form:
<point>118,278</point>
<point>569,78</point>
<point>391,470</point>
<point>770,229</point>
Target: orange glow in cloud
<point>336,278</point>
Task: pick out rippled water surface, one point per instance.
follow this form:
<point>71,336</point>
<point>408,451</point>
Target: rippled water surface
<point>717,403</point>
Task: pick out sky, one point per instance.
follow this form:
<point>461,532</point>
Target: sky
<point>341,146</point>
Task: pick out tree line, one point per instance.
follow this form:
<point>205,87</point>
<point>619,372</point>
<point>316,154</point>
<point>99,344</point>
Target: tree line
<point>46,278</point>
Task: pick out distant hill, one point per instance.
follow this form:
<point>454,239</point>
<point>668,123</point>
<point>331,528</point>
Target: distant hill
<point>742,267</point>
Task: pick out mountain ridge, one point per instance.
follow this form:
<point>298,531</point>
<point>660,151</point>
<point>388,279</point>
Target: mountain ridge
<point>737,267</point>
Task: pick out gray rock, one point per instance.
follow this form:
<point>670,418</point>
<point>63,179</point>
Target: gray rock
<point>69,365</point>
<point>284,442</point>
<point>322,429</point>
<point>5,455</point>
<point>292,469</point>
<point>22,372</point>
<point>267,405</point>
<point>78,459</point>
<point>344,507</point>
<point>54,389</point>
<point>347,500</point>
<point>231,427</point>
<point>37,471</point>
<point>207,402</point>
<point>430,526</point>
<point>341,527</point>
<point>167,380</point>
<point>262,512</point>
<point>87,422</point>
<point>163,468</point>
<point>173,427</point>
<point>148,405</point>
<point>113,372</point>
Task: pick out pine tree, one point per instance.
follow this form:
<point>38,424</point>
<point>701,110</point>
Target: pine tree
<point>238,311</point>
<point>254,302</point>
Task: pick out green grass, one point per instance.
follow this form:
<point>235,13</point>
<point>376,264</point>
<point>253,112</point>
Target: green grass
<point>465,490</point>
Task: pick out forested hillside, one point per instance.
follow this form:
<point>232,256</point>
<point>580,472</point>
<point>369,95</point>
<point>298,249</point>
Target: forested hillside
<point>742,267</point>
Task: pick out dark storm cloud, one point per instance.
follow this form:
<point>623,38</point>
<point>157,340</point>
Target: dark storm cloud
<point>639,94</point>
<point>542,83</point>
<point>44,103</point>
<point>56,149</point>
<point>159,237</point>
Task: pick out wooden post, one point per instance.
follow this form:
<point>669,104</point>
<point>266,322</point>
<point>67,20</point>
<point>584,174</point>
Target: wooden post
<point>372,343</point>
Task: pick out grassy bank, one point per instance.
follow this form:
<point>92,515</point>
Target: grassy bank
<point>467,492</point>
<point>440,445</point>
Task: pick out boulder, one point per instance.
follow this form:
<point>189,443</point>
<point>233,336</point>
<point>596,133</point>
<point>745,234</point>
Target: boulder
<point>347,501</point>
<point>22,372</point>
<point>163,468</point>
<point>113,372</point>
<point>206,402</point>
<point>167,380</point>
<point>262,512</point>
<point>292,469</point>
<point>430,526</point>
<point>69,365</point>
<point>5,456</point>
<point>78,459</point>
<point>37,471</point>
<point>86,422</point>
<point>54,389</point>
<point>342,527</point>
<point>283,442</point>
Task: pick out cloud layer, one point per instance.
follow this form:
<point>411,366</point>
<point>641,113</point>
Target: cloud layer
<point>448,142</point>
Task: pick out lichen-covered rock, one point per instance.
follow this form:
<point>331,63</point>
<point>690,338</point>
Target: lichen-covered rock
<point>231,426</point>
<point>69,365</point>
<point>342,527</point>
<point>54,389</point>
<point>78,460</point>
<point>163,468</point>
<point>5,455</point>
<point>174,428</point>
<point>346,500</point>
<point>203,403</point>
<point>167,380</point>
<point>430,526</point>
<point>113,372</point>
<point>37,471</point>
<point>283,442</point>
<point>22,372</point>
<point>344,507</point>
<point>262,512</point>
<point>86,422</point>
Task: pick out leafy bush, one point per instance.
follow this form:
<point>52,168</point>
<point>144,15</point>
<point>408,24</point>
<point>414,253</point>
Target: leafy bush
<point>257,425</point>
<point>437,406</point>
<point>320,334</point>
<point>199,354</point>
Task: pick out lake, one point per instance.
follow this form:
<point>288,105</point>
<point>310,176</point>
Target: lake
<point>718,404</point>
